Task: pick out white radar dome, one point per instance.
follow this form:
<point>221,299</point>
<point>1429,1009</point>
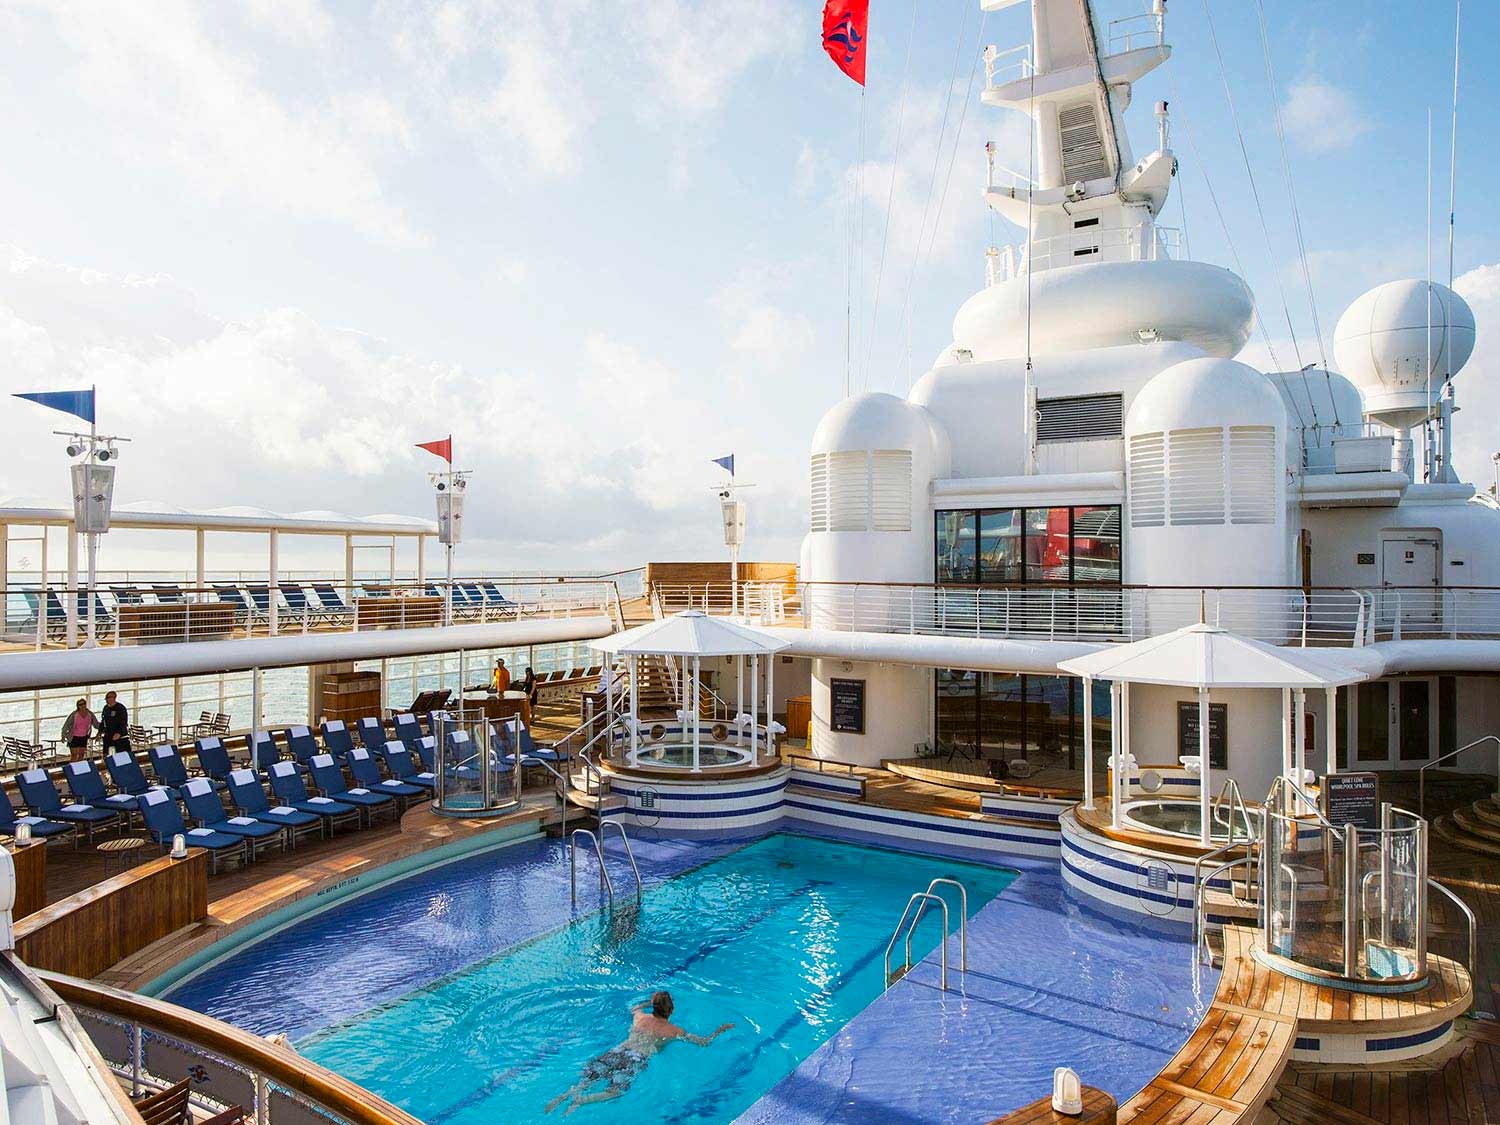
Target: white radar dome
<point>1382,344</point>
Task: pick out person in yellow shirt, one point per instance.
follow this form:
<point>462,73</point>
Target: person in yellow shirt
<point>500,680</point>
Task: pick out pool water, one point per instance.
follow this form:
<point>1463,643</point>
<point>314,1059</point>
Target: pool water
<point>783,937</point>
<point>1182,818</point>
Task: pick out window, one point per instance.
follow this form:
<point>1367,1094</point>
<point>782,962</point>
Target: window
<point>1011,546</point>
<point>995,716</point>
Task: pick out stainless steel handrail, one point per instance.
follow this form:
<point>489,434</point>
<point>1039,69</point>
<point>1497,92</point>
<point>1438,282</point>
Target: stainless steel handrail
<point>604,882</point>
<point>963,921</point>
<point>1200,919</point>
<point>629,854</point>
<point>1469,914</point>
<point>1282,783</point>
<point>922,896</point>
<point>1422,771</point>
<point>1231,791</point>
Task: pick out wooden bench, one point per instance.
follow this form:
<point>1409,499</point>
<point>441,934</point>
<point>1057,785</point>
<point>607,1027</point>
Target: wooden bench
<point>1098,1109</point>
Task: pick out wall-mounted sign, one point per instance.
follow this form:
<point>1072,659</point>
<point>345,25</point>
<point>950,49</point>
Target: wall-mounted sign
<point>1218,732</point>
<point>846,708</point>
<point>1365,558</point>
<point>1352,798</point>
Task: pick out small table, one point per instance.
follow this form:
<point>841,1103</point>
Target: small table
<point>123,849</point>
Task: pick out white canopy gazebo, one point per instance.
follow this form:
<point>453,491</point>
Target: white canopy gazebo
<point>1205,657</point>
<point>691,636</point>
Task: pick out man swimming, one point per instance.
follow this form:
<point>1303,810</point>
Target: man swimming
<point>618,1066</point>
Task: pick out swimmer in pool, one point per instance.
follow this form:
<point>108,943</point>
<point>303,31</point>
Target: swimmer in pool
<point>650,1031</point>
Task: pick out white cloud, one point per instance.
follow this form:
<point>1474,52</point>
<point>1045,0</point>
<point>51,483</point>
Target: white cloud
<point>1321,117</point>
<point>694,52</point>
<point>304,22</point>
<point>176,93</point>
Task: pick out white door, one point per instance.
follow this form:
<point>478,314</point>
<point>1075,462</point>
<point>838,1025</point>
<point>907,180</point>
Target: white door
<point>1393,723</point>
<point>1409,568</point>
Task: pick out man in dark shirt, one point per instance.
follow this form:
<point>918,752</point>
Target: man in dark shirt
<point>115,724</point>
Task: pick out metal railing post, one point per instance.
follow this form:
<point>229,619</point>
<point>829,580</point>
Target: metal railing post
<point>1351,890</point>
<point>1421,904</point>
<point>1386,820</point>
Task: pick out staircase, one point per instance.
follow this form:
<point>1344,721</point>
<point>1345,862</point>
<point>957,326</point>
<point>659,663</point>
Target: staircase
<point>1474,827</point>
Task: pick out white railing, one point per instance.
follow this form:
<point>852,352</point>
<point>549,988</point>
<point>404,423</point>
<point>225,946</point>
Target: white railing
<point>1278,615</point>
<point>1099,244</point>
<point>1129,33</point>
<point>761,601</point>
<point>1003,67</point>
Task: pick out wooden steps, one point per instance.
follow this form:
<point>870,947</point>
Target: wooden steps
<point>1475,827</point>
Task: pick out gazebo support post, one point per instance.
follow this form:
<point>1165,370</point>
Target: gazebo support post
<point>1123,777</point>
<point>1331,729</point>
<point>697,724</point>
<point>739,697</point>
<point>1114,753</point>
<point>1299,740</point>
<point>1205,788</point>
<point>1286,732</point>
<point>635,704</point>
<point>754,695</point>
<point>770,702</point>
<point>1088,743</point>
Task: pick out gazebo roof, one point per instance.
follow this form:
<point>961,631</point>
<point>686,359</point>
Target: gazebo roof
<point>691,633</point>
<point>1206,656</point>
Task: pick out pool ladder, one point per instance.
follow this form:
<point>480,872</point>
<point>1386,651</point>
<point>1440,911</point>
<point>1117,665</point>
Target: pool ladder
<point>605,883</point>
<point>920,901</point>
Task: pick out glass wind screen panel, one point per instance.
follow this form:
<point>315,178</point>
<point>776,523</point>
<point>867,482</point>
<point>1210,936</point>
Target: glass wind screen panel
<point>1002,715</point>
<point>1096,544</point>
<point>1049,732</point>
<point>956,731</point>
<point>1000,545</point>
<point>1372,722</point>
<point>955,547</point>
<point>1047,557</point>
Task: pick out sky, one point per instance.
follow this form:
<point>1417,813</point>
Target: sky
<point>604,244</point>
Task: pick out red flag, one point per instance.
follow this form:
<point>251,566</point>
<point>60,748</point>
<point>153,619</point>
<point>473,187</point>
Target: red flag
<point>443,449</point>
<point>844,25</point>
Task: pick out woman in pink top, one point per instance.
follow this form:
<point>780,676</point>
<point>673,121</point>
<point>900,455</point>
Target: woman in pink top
<point>77,728</point>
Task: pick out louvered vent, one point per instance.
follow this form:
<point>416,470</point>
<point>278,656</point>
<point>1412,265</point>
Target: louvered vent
<point>848,491</point>
<point>890,489</point>
<point>819,504</point>
<point>1082,148</point>
<point>1195,475</point>
<point>1148,480</point>
<point>1079,418</point>
<point>1252,474</point>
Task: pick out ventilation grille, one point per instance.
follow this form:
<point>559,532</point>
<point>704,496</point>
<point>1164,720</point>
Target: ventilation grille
<point>1080,143</point>
<point>1148,480</point>
<point>1252,474</point>
<point>1079,418</point>
<point>848,492</point>
<point>890,489</point>
<point>819,505</point>
<point>1195,475</point>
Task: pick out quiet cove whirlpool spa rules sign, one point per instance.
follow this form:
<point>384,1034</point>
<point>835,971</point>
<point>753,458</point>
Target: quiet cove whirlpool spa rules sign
<point>846,706</point>
<point>1352,798</point>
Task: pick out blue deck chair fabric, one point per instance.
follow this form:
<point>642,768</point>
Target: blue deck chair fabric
<point>328,776</point>
<point>286,784</point>
<point>42,799</point>
<point>407,730</point>
<point>41,827</point>
<point>167,765</point>
<point>336,738</point>
<point>166,592</point>
<point>249,799</point>
<point>263,751</point>
<point>514,732</point>
<point>260,597</point>
<point>476,596</point>
<point>127,595</point>
<point>372,734</point>
<point>425,748</point>
<point>366,773</point>
<point>86,784</point>
<point>164,820</point>
<point>233,595</point>
<point>300,607</point>
<point>128,776</point>
<point>302,744</point>
<point>206,807</point>
<point>330,600</point>
<point>213,757</point>
<point>493,595</point>
<point>398,761</point>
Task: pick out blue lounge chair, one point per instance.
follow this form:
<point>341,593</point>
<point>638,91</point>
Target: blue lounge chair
<point>86,784</point>
<point>229,594</point>
<point>250,800</point>
<point>300,608</point>
<point>128,776</point>
<point>43,800</point>
<point>41,827</point>
<point>260,597</point>
<point>206,807</point>
<point>213,758</point>
<point>407,730</point>
<point>366,773</point>
<point>263,751</point>
<point>286,784</point>
<point>127,595</point>
<point>167,593</point>
<point>302,744</point>
<point>331,602</point>
<point>164,820</point>
<point>398,762</point>
<point>511,731</point>
<point>425,748</point>
<point>464,757</point>
<point>328,776</point>
<point>372,734</point>
<point>169,768</point>
<point>336,738</point>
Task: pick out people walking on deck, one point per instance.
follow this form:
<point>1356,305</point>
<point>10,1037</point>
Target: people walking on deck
<point>115,724</point>
<point>528,685</point>
<point>500,680</point>
<point>77,728</point>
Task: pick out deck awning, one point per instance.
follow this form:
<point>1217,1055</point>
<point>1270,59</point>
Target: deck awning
<point>159,515</point>
<point>691,633</point>
<point>1206,656</point>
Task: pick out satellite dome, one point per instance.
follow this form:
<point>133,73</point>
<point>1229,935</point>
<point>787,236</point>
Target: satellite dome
<point>1383,346</point>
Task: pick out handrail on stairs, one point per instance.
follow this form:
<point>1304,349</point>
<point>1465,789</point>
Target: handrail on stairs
<point>1422,772</point>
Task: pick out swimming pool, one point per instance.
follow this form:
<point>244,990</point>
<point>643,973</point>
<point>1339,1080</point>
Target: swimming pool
<point>783,936</point>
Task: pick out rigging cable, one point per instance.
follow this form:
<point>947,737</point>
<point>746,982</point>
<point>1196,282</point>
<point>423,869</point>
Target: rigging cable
<point>890,195</point>
<point>937,156</point>
<point>1255,193</point>
<point>1291,191</point>
<point>1458,16</point>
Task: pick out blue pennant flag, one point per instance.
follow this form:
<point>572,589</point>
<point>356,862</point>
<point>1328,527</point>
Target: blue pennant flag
<point>726,463</point>
<point>78,403</point>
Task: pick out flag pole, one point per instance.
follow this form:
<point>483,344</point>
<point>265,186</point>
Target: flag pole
<point>92,637</point>
<point>448,593</point>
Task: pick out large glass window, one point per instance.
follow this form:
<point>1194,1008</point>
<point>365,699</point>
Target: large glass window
<point>1002,717</point>
<point>1010,546</point>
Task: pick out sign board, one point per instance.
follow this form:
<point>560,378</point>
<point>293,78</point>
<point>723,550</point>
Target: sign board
<point>450,517</point>
<point>1218,732</point>
<point>846,710</point>
<point>1352,798</point>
